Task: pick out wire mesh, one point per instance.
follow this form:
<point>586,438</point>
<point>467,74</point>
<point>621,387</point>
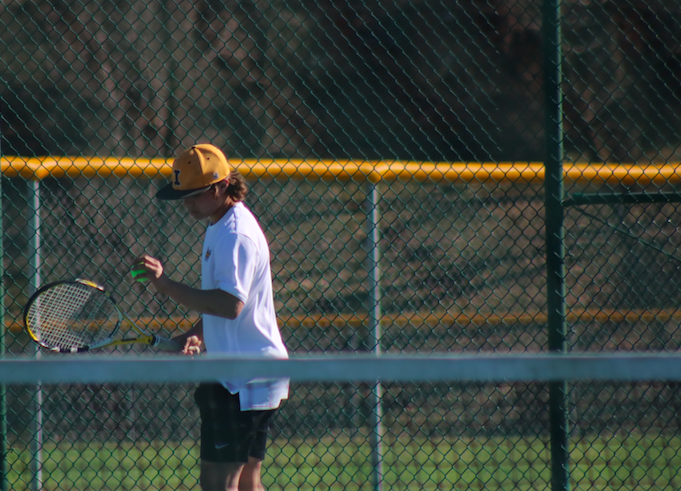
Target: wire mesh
<point>459,262</point>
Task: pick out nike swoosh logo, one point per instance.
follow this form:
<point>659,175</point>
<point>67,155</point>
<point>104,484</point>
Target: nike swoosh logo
<point>218,446</point>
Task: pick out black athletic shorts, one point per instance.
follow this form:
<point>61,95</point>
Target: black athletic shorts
<point>229,434</point>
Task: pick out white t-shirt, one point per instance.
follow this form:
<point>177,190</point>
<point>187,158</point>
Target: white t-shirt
<point>236,259</point>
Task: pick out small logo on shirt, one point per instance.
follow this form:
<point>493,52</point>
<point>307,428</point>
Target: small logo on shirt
<point>208,253</point>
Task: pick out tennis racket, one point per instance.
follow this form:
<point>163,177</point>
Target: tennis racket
<point>78,315</point>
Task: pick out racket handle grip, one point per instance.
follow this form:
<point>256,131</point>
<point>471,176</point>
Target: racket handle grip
<point>166,344</point>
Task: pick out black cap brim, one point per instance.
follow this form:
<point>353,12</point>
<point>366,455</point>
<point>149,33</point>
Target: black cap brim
<point>168,192</point>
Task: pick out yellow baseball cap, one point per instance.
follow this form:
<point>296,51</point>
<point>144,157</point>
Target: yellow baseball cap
<point>194,171</point>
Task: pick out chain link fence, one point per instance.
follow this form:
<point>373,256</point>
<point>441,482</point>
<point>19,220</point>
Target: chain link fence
<point>406,257</point>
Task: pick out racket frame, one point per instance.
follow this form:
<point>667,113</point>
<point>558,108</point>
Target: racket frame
<point>143,338</point>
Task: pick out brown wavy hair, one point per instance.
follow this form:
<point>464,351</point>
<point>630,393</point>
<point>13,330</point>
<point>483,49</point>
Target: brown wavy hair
<point>237,187</point>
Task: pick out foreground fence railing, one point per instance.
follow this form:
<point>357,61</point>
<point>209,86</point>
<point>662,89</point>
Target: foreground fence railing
<point>662,367</point>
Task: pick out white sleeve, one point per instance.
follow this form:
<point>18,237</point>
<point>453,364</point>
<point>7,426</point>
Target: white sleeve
<point>235,261</point>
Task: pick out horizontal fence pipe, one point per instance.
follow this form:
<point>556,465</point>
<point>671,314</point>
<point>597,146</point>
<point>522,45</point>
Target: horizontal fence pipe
<point>357,368</point>
<point>518,172</point>
<point>429,320</point>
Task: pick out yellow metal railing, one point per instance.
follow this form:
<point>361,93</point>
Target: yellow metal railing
<point>525,172</point>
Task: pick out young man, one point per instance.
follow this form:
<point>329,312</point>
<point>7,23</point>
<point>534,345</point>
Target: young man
<point>238,316</point>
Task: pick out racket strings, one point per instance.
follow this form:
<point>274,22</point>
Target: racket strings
<point>72,316</point>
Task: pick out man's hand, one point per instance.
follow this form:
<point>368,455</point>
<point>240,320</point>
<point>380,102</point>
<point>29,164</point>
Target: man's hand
<point>146,267</point>
<point>192,346</point>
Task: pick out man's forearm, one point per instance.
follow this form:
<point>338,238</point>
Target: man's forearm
<point>212,302</point>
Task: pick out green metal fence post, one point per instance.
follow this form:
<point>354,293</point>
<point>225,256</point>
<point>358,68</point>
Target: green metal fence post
<point>35,280</point>
<point>374,304</point>
<point>554,239</point>
<point>3,349</point>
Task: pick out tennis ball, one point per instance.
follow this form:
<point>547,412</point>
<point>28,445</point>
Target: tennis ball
<point>136,272</point>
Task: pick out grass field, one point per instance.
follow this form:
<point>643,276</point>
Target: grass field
<point>633,462</point>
